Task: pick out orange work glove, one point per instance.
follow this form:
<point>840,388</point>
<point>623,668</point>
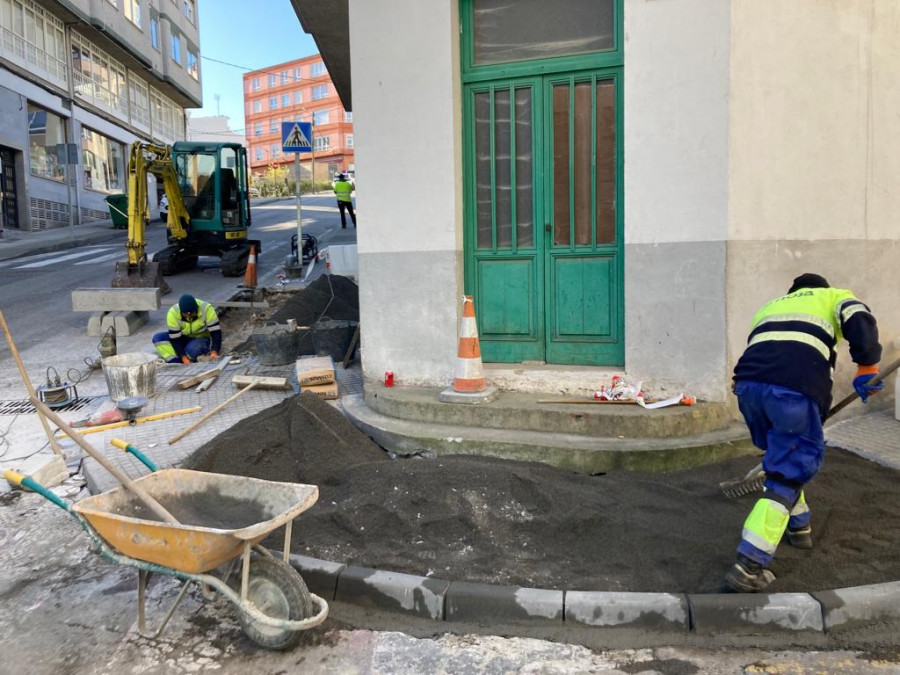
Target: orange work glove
<point>185,360</point>
<point>214,354</point>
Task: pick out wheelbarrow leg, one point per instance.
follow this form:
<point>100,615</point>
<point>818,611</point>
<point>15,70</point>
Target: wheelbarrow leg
<point>288,526</point>
<point>245,572</point>
<point>143,581</point>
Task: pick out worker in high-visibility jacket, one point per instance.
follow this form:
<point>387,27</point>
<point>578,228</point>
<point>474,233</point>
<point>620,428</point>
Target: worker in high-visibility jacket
<point>783,383</point>
<point>342,190</point>
<point>193,331</point>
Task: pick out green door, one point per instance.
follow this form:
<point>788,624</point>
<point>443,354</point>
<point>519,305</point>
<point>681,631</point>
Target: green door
<point>543,217</point>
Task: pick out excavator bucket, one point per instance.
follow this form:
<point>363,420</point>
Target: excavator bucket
<point>144,275</point>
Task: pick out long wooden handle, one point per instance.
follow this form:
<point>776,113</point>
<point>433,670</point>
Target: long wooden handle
<point>212,412</point>
<point>15,352</point>
<point>120,476</point>
<point>852,397</point>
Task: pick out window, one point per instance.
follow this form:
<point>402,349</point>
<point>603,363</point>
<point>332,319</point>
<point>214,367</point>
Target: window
<point>154,32</point>
<point>322,143</point>
<point>273,103</point>
<point>273,126</point>
<point>298,97</point>
<point>273,79</point>
<point>255,84</point>
<point>320,117</point>
<point>139,100</point>
<point>167,118</point>
<point>535,29</point>
<point>34,39</point>
<point>284,77</point>
<point>348,116</point>
<point>276,151</point>
<point>102,161</point>
<point>285,100</point>
<point>189,10</point>
<point>193,64</point>
<point>349,139</point>
<point>257,128</point>
<point>319,92</point>
<point>133,11</point>
<point>257,105</point>
<point>296,74</point>
<point>318,69</point>
<point>45,132</point>
<point>259,154</point>
<point>176,48</point>
<point>98,77</point>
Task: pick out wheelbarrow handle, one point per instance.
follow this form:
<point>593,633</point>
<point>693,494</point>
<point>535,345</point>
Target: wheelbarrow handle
<point>124,446</point>
<point>20,480</point>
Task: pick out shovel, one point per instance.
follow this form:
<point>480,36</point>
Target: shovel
<point>755,479</point>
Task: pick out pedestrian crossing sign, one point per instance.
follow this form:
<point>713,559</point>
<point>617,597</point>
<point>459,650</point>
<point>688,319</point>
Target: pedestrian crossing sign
<point>295,137</point>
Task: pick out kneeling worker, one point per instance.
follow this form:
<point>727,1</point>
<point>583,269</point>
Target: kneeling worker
<point>193,331</point>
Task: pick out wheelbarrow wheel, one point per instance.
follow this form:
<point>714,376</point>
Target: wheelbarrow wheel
<point>277,590</point>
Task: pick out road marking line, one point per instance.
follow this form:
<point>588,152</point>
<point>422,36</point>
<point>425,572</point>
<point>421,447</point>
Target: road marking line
<point>108,256</point>
<point>52,261</point>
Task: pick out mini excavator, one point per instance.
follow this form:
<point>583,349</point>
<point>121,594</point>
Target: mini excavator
<point>209,210</point>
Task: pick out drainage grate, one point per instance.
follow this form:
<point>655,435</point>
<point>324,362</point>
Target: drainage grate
<point>24,407</point>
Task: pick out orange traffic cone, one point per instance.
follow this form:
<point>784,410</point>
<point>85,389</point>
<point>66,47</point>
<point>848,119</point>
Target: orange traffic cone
<point>469,384</point>
<point>250,272</point>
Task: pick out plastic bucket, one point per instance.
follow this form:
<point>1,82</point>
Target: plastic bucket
<point>130,375</point>
<point>276,344</point>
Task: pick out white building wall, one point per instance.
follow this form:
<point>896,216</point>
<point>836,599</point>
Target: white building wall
<point>406,104</point>
<point>676,193</point>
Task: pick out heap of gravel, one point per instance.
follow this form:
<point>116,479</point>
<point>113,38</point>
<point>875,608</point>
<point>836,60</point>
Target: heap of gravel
<point>495,521</point>
<point>328,297</point>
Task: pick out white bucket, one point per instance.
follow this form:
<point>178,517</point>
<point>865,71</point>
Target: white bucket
<point>130,375</point>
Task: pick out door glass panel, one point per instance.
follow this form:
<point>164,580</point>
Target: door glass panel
<point>524,171</point>
<point>502,170</point>
<point>582,152</point>
<point>507,31</point>
<point>561,165</point>
<point>483,168</point>
<point>606,162</point>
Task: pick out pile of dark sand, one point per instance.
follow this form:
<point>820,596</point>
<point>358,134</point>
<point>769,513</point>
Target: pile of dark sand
<point>494,521</point>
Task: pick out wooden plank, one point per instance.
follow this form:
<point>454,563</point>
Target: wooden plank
<point>261,382</point>
<point>194,380</point>
<point>348,357</point>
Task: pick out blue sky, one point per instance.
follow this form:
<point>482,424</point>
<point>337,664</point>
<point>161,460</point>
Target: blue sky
<point>252,34</point>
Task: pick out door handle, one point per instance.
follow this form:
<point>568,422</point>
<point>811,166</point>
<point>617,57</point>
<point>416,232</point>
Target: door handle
<point>547,228</point>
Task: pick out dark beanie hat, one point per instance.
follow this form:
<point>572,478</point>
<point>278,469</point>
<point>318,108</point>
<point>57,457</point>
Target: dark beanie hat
<point>809,280</point>
<point>187,303</point>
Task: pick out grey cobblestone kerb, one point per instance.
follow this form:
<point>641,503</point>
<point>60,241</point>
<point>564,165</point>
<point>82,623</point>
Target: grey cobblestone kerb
<point>657,618</point>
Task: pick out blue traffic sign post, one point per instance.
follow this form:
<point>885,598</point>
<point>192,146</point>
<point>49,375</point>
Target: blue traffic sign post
<point>297,137</point>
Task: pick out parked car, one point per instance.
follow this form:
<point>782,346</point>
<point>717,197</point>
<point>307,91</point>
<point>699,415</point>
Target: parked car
<point>164,208</point>
<point>254,191</point>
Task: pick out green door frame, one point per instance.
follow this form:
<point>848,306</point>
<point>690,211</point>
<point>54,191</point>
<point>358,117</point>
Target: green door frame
<point>536,267</point>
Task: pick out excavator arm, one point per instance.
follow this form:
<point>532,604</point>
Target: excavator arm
<point>149,159</point>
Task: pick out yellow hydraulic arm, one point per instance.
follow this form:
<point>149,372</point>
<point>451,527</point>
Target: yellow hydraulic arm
<point>157,160</point>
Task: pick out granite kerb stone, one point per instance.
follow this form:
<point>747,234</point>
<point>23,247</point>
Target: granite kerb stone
<point>755,614</point>
<point>392,591</point>
<point>487,604</point>
<point>846,609</point>
<point>650,612</point>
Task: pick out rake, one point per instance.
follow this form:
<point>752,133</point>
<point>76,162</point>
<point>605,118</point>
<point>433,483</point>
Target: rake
<point>755,479</point>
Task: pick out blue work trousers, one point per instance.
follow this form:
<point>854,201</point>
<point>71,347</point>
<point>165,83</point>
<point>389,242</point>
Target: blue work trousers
<point>787,425</point>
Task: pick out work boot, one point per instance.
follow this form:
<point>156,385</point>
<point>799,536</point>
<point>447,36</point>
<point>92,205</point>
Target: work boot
<point>747,576</point>
<point>801,538</point>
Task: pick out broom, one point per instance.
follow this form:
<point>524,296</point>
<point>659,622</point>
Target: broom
<point>755,479</point>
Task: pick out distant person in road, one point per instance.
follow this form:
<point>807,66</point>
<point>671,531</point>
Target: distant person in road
<point>342,190</point>
<point>193,331</point>
<point>783,382</point>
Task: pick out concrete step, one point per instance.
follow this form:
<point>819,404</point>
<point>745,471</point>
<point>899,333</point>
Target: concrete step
<point>521,411</point>
<point>566,450</point>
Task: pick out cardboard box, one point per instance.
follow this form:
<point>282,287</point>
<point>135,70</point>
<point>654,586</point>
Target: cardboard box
<point>329,391</point>
<point>314,370</point>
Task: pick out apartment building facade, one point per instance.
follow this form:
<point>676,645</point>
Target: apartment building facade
<point>79,81</point>
<point>297,91</point>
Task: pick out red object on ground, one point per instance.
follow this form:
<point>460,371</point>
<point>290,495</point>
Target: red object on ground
<point>389,379</point>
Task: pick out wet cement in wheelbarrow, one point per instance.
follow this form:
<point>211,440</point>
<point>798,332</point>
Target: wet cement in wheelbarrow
<point>202,509</point>
<point>528,524</point>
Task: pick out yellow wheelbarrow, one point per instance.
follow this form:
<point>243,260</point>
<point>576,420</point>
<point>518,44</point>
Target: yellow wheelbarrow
<point>223,520</point>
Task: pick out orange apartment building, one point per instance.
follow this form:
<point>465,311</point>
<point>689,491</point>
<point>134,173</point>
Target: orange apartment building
<point>297,91</point>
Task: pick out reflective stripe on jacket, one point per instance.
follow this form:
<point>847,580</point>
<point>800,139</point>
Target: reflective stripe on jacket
<point>207,322</point>
<point>793,342</point>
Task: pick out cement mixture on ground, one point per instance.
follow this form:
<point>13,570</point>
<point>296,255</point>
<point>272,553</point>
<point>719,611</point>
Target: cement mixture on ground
<point>528,524</point>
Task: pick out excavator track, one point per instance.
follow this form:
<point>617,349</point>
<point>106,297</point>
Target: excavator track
<point>173,260</point>
<point>234,261</point>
